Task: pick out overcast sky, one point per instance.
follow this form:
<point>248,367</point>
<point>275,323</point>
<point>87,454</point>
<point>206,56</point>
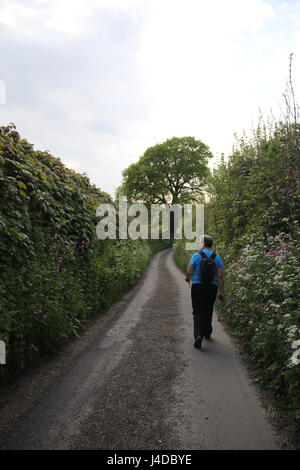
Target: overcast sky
<point>96,82</point>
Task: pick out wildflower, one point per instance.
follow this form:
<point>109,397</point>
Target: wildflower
<point>295,359</point>
<point>37,311</point>
<point>296,344</point>
<point>291,332</point>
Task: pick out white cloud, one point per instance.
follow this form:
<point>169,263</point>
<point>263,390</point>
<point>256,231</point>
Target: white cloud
<point>98,81</point>
<point>190,55</point>
<point>12,13</point>
<point>66,16</point>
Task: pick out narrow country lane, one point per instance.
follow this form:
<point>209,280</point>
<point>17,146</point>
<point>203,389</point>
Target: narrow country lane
<point>135,381</point>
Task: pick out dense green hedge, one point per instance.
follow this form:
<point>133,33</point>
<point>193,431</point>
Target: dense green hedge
<point>262,309</point>
<point>54,272</point>
<point>40,195</point>
<point>253,216</point>
<point>181,256</point>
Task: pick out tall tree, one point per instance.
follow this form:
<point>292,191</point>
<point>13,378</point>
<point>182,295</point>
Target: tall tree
<point>168,173</point>
<point>173,172</point>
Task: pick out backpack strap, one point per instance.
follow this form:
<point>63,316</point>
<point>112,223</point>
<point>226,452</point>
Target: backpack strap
<point>213,255</point>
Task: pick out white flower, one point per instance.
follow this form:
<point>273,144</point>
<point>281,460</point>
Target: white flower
<point>295,360</point>
<point>291,331</point>
<point>296,344</point>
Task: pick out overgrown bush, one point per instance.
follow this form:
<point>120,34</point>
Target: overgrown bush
<point>54,272</point>
<point>257,189</point>
<point>253,214</point>
<point>181,255</point>
<point>262,308</point>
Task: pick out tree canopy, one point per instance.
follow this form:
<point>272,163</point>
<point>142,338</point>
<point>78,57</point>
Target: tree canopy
<point>172,172</point>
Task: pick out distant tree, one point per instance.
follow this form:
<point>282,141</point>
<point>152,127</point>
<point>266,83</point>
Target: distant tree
<point>168,173</point>
<point>173,172</point>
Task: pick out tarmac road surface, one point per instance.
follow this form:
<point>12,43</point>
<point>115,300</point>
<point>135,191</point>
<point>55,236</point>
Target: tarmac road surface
<point>135,381</point>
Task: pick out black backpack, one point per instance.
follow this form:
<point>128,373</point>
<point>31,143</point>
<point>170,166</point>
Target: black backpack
<point>207,268</point>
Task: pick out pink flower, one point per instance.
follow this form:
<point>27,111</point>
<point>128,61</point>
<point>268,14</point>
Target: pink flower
<point>37,311</point>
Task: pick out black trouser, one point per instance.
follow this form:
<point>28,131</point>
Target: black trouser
<point>203,299</point>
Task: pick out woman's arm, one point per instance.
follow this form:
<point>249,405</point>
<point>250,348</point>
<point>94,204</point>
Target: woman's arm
<point>189,272</point>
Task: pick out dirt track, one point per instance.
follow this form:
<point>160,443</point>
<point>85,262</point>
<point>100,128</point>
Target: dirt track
<point>134,381</point>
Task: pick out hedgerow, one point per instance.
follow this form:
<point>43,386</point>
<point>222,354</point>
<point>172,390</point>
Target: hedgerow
<point>54,272</point>
<point>262,309</point>
<point>253,215</point>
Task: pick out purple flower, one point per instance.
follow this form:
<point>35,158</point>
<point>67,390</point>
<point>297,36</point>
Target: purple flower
<point>37,311</point>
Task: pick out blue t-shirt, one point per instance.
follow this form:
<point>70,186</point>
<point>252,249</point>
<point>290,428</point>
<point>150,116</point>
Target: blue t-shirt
<point>196,261</point>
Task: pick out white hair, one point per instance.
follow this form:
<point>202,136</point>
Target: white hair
<point>203,239</point>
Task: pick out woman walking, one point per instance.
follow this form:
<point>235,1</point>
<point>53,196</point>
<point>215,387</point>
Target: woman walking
<point>205,271</point>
